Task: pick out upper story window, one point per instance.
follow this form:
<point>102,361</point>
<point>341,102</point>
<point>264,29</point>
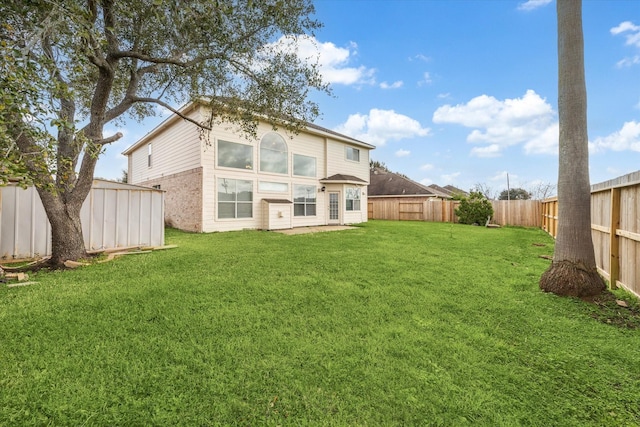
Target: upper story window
<point>273,154</point>
<point>353,199</point>
<point>353,154</point>
<point>148,155</point>
<point>234,155</point>
<point>304,165</point>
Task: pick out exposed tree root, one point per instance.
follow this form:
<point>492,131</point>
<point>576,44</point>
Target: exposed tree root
<point>570,279</point>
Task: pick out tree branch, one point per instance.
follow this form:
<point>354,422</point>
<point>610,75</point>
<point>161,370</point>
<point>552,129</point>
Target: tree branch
<point>173,110</point>
<point>109,140</point>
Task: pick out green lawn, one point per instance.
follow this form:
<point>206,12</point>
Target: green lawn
<point>392,323</point>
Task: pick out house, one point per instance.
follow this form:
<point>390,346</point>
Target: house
<point>384,184</point>
<point>226,182</point>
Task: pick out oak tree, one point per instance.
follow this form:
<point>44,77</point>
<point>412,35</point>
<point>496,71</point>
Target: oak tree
<point>69,67</point>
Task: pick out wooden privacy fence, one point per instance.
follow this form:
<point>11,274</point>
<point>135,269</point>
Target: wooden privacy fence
<point>615,229</point>
<point>527,213</point>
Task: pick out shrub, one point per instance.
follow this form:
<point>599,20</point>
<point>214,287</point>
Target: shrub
<point>474,209</point>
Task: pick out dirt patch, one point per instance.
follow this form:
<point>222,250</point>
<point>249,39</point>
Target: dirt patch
<point>610,309</point>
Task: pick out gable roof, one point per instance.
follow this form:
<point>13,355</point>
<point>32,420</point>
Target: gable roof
<point>385,183</point>
<point>187,108</point>
<point>455,190</point>
<point>448,190</point>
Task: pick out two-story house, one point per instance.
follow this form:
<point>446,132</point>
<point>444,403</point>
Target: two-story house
<point>228,182</point>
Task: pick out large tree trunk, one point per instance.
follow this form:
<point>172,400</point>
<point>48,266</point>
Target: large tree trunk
<point>67,241</point>
<point>573,271</point>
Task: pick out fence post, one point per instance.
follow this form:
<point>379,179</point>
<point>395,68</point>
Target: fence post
<point>614,241</point>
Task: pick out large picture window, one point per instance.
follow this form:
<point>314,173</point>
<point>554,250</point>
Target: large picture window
<point>233,155</point>
<point>273,154</point>
<point>353,154</point>
<point>304,165</point>
<point>304,200</point>
<point>235,198</point>
<point>353,199</point>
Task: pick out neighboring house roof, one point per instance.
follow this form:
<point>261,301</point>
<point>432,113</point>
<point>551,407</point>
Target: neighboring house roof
<point>342,179</point>
<point>187,108</point>
<point>448,190</point>
<point>455,190</point>
<point>440,190</point>
<point>385,183</point>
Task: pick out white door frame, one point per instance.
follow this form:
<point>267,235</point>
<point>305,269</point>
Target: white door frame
<point>334,208</point>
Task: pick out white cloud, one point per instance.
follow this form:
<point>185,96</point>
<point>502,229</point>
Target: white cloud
<point>334,61</point>
<point>628,62</point>
<point>450,178</point>
<point>633,39</point>
<point>632,35</point>
<point>380,126</point>
<point>402,153</point>
<point>492,150</point>
<point>533,4</point>
<point>444,95</point>
<point>427,167</point>
<point>426,79</point>
<point>394,85</point>
<point>420,57</point>
<point>426,181</point>
<point>500,124</point>
<point>627,138</point>
<point>544,143</point>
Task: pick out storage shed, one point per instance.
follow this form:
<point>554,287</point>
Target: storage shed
<point>114,215</point>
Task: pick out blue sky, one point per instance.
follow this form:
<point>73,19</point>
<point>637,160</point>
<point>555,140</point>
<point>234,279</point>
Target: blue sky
<point>464,92</point>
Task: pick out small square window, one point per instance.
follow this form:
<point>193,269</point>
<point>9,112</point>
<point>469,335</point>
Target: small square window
<point>353,154</point>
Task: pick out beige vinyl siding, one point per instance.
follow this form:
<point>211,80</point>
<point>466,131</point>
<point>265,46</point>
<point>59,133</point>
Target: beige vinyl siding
<point>312,146</point>
<point>210,181</point>
<point>175,149</point>
<point>354,217</point>
<point>304,144</point>
<point>337,162</point>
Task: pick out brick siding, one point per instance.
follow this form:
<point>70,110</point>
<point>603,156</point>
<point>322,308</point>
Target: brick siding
<point>183,199</point>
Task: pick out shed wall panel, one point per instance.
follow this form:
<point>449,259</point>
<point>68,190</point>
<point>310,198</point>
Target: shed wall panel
<point>111,218</point>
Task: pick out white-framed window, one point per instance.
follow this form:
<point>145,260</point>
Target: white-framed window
<point>273,187</point>
<point>352,195</point>
<point>352,154</point>
<point>234,155</point>
<point>273,154</point>
<point>235,198</point>
<point>304,200</point>
<point>149,155</point>
<point>304,165</point>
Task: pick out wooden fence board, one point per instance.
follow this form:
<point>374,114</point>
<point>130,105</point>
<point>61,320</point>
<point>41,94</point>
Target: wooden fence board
<point>615,229</point>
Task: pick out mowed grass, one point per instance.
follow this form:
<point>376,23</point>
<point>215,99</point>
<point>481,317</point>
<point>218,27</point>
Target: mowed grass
<point>392,323</point>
